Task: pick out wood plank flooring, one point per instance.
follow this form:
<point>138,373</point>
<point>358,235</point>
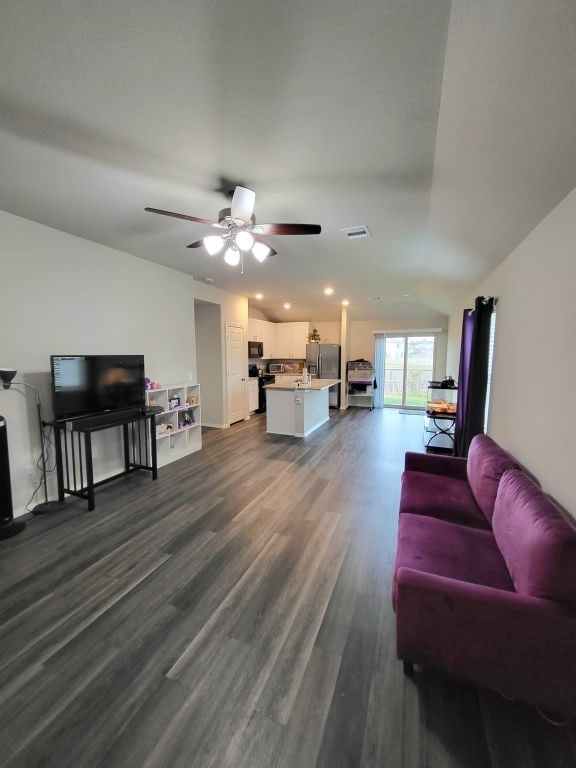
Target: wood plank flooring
<point>236,614</point>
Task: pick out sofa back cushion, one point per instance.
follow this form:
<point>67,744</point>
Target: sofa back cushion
<point>487,462</point>
<point>536,540</point>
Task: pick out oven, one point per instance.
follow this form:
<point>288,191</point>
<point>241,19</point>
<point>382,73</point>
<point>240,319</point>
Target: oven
<point>263,381</point>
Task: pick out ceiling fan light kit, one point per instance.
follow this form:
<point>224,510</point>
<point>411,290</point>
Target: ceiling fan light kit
<point>260,251</point>
<point>243,234</point>
<point>244,240</point>
<point>213,244</point>
<point>232,256</point>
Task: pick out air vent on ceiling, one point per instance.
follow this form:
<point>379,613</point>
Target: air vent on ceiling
<point>354,233</point>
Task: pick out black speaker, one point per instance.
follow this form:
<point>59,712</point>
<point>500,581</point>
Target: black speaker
<point>8,526</point>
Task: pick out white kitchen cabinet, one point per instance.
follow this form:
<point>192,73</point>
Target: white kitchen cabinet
<point>254,330</point>
<point>283,341</point>
<point>290,341</point>
<point>253,395</point>
<point>300,333</point>
<point>264,331</point>
<point>268,331</point>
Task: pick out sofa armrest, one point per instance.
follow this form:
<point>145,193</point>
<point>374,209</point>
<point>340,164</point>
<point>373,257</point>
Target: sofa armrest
<point>450,466</point>
<point>519,645</point>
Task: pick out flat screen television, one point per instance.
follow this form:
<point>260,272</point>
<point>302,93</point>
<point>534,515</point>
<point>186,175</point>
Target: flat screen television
<point>83,385</point>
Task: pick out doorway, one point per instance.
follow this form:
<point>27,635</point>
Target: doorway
<point>210,362</point>
<point>408,362</point>
<point>237,370</point>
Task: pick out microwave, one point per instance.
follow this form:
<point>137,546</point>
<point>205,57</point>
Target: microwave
<point>276,367</point>
<point>255,349</point>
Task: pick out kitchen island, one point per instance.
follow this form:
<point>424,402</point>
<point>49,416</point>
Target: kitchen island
<point>297,410</point>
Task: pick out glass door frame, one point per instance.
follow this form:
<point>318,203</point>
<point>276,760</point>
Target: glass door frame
<point>406,336</point>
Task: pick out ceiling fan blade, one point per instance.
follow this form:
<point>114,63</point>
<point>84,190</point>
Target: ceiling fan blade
<point>259,240</point>
<point>180,216</point>
<point>289,229</point>
<point>242,206</point>
<point>197,244</point>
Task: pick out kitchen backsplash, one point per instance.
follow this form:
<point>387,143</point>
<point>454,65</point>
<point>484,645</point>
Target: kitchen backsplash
<point>290,366</point>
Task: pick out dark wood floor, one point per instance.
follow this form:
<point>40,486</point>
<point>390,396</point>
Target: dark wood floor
<point>236,613</point>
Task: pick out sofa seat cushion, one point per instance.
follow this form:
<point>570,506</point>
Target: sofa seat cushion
<point>487,462</point>
<point>453,551</point>
<point>536,539</point>
<point>442,497</point>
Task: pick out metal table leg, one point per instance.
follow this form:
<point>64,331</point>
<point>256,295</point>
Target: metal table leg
<point>89,470</point>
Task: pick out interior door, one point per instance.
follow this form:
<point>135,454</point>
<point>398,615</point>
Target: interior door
<point>237,371</point>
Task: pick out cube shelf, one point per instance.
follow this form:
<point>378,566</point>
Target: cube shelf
<point>178,432</point>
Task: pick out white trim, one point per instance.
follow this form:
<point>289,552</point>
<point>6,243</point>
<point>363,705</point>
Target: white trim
<point>227,326</point>
<point>406,336</point>
<point>410,332</point>
<point>215,426</point>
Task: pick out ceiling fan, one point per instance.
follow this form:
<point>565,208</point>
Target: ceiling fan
<point>241,233</point>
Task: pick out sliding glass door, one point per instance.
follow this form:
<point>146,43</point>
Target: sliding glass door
<point>408,365</point>
<point>394,370</point>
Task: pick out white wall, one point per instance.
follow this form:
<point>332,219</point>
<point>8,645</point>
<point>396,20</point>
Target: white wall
<point>329,331</point>
<point>534,368</point>
<point>233,311</point>
<point>256,314</point>
<point>362,338</point>
<point>65,295</point>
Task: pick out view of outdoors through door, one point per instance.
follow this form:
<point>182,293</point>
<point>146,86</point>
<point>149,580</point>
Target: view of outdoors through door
<point>409,365</point>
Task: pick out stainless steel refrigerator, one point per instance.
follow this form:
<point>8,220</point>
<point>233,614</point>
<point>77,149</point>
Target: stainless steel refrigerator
<point>323,362</point>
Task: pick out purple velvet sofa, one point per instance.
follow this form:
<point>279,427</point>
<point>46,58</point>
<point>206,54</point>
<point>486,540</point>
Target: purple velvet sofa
<point>485,576</point>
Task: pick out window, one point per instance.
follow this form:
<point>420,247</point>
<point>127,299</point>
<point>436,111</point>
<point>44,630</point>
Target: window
<point>490,359</point>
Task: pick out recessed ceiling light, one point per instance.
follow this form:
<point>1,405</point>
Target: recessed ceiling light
<point>328,291</point>
<point>259,296</point>
<point>345,302</point>
<point>287,305</point>
<point>405,294</point>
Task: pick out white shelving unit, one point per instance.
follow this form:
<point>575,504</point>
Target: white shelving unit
<point>178,427</point>
<point>360,374</point>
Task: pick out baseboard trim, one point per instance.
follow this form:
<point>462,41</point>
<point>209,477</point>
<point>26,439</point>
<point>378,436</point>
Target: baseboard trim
<point>215,426</point>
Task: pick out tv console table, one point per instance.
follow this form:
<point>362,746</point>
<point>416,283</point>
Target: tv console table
<point>74,466</point>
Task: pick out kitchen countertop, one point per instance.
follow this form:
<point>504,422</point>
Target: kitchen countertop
<point>314,386</point>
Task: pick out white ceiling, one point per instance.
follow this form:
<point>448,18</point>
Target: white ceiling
<point>448,128</point>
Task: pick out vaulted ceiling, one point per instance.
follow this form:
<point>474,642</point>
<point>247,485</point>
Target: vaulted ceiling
<point>449,129</point>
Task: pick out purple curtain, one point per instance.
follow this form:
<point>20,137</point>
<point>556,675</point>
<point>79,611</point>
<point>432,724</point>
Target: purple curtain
<point>473,373</point>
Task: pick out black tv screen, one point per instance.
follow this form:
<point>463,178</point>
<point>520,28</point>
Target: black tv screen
<point>91,384</point>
